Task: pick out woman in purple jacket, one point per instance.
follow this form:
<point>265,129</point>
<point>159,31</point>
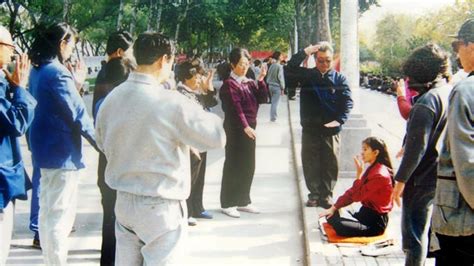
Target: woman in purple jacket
<point>240,98</point>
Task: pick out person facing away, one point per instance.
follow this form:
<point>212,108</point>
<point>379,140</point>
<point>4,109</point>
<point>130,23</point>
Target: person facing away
<point>55,136</point>
<point>325,103</point>
<point>372,187</point>
<point>453,215</point>
<point>119,64</point>
<point>240,98</point>
<point>428,72</point>
<point>276,84</point>
<point>16,114</point>
<point>145,132</point>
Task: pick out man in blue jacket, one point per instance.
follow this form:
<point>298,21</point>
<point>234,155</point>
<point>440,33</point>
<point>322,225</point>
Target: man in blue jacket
<point>16,113</point>
<point>325,102</point>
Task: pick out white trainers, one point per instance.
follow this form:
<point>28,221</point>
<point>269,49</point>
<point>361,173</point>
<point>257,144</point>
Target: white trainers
<point>249,208</point>
<point>192,221</point>
<point>231,211</point>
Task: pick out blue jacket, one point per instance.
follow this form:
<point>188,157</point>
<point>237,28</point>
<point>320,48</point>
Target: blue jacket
<point>16,113</point>
<point>60,119</point>
<point>323,98</point>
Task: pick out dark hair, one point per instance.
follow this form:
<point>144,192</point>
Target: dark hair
<point>383,157</point>
<point>425,65</point>
<point>257,62</point>
<point>151,46</point>
<point>186,70</point>
<point>119,40</point>
<point>224,69</point>
<point>276,55</point>
<point>47,40</point>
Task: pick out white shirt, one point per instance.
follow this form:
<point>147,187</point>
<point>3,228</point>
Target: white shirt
<point>145,132</point>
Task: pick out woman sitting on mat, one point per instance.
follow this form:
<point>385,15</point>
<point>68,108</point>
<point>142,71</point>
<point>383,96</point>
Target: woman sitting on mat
<point>373,189</point>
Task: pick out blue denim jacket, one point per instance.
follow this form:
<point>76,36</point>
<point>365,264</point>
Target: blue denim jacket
<point>16,113</point>
<point>60,118</point>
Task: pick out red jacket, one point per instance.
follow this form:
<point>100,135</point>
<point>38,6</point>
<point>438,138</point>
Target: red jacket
<point>373,190</point>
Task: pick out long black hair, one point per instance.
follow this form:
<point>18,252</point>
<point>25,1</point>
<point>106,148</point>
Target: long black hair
<point>47,42</point>
<point>383,157</point>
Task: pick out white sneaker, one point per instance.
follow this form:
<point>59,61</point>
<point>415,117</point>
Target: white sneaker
<point>192,221</point>
<point>249,208</point>
<point>231,211</point>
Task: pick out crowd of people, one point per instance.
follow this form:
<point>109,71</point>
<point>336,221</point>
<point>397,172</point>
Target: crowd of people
<point>151,125</point>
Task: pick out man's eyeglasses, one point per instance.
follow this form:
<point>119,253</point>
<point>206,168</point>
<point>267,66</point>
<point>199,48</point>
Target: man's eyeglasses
<point>8,45</point>
<point>322,61</point>
<point>455,45</point>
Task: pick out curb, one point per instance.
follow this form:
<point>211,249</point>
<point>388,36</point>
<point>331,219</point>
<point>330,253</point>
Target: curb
<point>299,181</point>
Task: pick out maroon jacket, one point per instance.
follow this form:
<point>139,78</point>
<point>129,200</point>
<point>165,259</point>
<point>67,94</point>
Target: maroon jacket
<point>240,102</point>
<point>373,190</point>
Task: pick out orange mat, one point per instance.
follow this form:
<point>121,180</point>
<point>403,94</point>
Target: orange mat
<point>334,238</point>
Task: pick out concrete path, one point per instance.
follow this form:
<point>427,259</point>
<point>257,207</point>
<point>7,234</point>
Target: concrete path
<point>273,237</point>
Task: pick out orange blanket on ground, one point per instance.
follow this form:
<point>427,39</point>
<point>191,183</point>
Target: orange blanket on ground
<point>334,238</point>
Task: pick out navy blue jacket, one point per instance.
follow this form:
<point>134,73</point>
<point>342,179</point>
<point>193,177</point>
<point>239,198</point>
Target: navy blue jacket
<point>60,119</point>
<point>323,98</point>
<point>16,113</point>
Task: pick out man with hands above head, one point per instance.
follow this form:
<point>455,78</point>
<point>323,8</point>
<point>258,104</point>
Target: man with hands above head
<point>325,103</point>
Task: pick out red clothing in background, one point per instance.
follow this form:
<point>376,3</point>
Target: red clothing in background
<point>373,190</point>
<point>404,106</point>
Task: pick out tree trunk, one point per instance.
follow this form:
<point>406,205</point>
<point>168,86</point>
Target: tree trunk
<point>134,16</point>
<point>158,15</point>
<point>120,15</point>
<point>181,19</point>
<point>151,15</point>
<point>299,5</point>
<point>13,9</point>
<point>323,29</point>
<point>66,8</point>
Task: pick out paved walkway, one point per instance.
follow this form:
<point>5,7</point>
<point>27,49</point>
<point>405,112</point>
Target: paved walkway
<point>273,237</point>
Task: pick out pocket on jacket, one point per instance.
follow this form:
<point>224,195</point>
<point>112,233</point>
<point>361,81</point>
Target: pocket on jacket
<point>447,194</point>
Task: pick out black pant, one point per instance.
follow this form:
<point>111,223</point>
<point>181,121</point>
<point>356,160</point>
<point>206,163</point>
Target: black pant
<point>455,250</point>
<point>239,168</point>
<point>367,222</point>
<point>109,196</point>
<point>291,91</point>
<point>198,172</point>
<point>319,154</point>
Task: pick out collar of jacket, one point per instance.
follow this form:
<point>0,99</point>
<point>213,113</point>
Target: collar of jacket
<point>239,80</point>
<point>143,78</point>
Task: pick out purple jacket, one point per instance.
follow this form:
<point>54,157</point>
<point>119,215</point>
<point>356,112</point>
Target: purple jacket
<point>240,102</point>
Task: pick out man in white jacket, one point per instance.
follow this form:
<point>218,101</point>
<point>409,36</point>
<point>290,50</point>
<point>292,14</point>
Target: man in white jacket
<point>145,133</point>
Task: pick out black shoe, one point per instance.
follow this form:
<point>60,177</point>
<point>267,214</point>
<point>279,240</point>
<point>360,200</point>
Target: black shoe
<point>311,203</point>
<point>325,204</point>
<point>36,243</point>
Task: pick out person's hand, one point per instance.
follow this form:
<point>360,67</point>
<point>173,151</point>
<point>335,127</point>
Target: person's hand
<point>79,73</point>
<point>311,49</point>
<point>263,73</point>
<point>250,132</point>
<point>328,213</point>
<point>333,123</point>
<point>359,164</point>
<point>400,153</point>
<point>207,81</point>
<point>282,92</point>
<point>21,72</point>
<point>397,193</point>
<point>400,88</point>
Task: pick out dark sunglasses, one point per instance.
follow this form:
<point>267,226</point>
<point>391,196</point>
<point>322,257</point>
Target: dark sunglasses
<point>455,45</point>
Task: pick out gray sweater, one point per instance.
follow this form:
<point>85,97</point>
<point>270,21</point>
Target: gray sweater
<point>275,76</point>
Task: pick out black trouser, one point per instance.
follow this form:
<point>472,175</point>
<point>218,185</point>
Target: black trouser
<point>198,172</point>
<point>239,168</point>
<point>319,154</point>
<point>455,250</point>
<point>291,91</point>
<point>109,196</point>
<point>367,222</point>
